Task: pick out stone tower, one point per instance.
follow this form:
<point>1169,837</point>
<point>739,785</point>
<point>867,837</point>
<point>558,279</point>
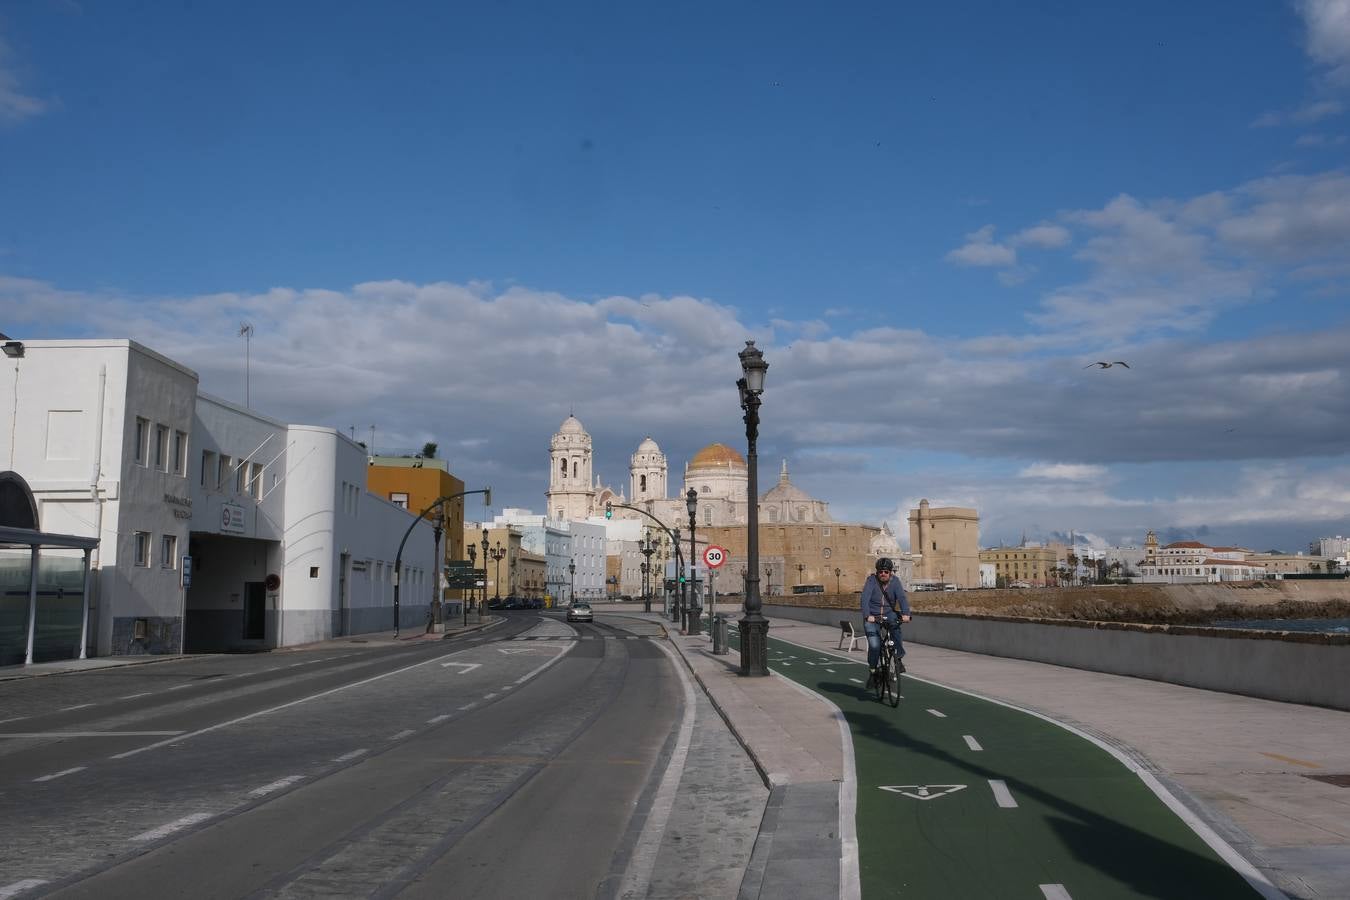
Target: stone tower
<point>570,493</point>
<point>647,472</point>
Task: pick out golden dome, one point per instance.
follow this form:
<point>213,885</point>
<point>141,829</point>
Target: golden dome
<point>717,456</point>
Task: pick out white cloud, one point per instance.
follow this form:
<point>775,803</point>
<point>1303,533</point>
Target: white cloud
<point>15,104</point>
<point>1044,235</point>
<point>1328,36</point>
<point>1319,140</point>
<point>980,249</point>
<point>1307,114</point>
<point>1064,472</point>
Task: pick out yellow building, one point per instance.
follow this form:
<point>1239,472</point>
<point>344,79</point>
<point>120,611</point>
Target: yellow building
<point>415,483</point>
<point>837,557</point>
<point>945,543</point>
<point>1021,565</point>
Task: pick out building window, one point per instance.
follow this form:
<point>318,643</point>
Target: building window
<point>143,548</point>
<point>563,470</point>
<point>179,453</point>
<point>208,468</point>
<point>161,446</point>
<point>255,481</point>
<point>574,468</point>
<point>223,472</point>
<point>142,436</point>
<point>399,500</point>
<point>642,483</point>
<point>707,515</point>
<point>168,551</point>
<point>240,472</point>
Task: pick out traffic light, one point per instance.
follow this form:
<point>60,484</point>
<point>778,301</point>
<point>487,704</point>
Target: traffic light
<point>681,579</point>
<point>609,510</point>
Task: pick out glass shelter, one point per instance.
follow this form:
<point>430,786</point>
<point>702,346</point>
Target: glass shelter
<point>44,583</point>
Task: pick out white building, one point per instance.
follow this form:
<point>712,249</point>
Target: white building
<point>220,528</point>
<point>1185,562</point>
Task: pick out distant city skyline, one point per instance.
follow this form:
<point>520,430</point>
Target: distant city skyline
<point>458,225</point>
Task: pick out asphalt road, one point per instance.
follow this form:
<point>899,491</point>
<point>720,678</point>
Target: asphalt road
<point>522,761</point>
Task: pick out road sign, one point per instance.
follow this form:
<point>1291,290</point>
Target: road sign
<point>714,556</point>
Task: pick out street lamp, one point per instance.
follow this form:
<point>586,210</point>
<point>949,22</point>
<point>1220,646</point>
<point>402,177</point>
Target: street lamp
<point>677,600</point>
<point>647,548</point>
<point>498,553</point>
<point>754,627</point>
<point>572,571</point>
<point>768,581</point>
<point>473,564</point>
<point>486,554</point>
<point>800,567</point>
<point>694,611</point>
<point>436,617</point>
<point>836,580</point>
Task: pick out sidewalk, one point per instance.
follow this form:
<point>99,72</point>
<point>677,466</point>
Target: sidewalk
<point>1270,778</point>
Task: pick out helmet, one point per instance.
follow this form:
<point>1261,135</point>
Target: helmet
<point>885,565</point>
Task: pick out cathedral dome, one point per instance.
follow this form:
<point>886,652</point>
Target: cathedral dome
<point>571,425</point>
<point>648,446</point>
<point>717,456</point>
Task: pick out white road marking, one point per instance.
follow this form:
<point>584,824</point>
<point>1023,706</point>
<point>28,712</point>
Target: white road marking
<point>434,719</point>
<point>71,734</point>
<point>275,786</point>
<point>1002,794</point>
<point>1055,892</point>
<point>61,774</point>
<point>939,713</point>
<point>971,742</point>
<point>353,755</point>
<point>15,719</point>
<point>402,734</point>
<point>272,709</point>
<point>81,706</point>
<point>179,687</point>
<point>155,834</point>
<point>18,887</point>
<point>923,791</point>
<point>856,680</point>
<point>489,696</point>
<point>464,667</point>
<point>468,706</point>
<point>831,671</point>
<point>134,696</point>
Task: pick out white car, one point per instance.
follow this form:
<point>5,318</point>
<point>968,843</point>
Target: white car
<point>580,612</point>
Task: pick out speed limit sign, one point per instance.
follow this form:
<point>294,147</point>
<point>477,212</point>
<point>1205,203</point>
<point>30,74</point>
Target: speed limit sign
<point>714,556</point>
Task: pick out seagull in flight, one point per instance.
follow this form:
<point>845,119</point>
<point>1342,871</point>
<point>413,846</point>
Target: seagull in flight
<point>1107,365</point>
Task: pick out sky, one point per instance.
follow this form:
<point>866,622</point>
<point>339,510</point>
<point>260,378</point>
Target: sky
<point>462,222</point>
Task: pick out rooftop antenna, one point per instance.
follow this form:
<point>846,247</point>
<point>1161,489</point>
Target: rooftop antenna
<point>371,450</point>
<point>246,332</point>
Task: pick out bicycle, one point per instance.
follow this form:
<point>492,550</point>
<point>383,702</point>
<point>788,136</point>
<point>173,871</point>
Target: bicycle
<point>886,681</point>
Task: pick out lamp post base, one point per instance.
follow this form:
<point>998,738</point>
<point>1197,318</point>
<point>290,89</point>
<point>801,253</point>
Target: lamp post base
<point>754,645</point>
<point>694,620</point>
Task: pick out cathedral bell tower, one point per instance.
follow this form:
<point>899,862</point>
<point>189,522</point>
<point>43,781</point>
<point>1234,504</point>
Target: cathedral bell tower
<point>570,492</point>
<point>647,472</point>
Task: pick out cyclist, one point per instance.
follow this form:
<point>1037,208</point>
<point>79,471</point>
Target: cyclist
<point>883,600</point>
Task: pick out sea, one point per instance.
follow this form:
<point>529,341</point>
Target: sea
<point>1332,626</point>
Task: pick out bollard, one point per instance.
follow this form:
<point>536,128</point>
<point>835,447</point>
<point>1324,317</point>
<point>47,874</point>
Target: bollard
<point>719,634</point>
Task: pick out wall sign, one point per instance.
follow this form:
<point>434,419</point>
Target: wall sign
<point>232,518</point>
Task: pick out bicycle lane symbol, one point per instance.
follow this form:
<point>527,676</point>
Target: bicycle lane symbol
<point>923,791</point>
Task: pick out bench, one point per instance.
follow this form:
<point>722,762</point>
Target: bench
<point>846,633</point>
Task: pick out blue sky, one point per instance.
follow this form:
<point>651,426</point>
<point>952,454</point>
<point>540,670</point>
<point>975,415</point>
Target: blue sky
<point>929,216</point>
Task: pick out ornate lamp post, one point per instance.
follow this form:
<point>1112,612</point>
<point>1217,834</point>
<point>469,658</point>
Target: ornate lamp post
<point>498,553</point>
<point>485,559</point>
<point>837,573</point>
<point>647,548</point>
<point>754,627</point>
<point>677,600</point>
<point>693,611</point>
<point>572,571</point>
<point>473,564</point>
<point>768,581</point>
<point>800,567</point>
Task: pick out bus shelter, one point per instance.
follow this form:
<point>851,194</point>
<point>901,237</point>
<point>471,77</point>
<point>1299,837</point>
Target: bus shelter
<point>44,583</point>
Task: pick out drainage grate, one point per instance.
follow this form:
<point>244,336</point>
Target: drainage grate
<point>1338,780</point>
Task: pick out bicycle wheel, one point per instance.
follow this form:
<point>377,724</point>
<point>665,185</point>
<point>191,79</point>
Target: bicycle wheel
<point>892,678</point>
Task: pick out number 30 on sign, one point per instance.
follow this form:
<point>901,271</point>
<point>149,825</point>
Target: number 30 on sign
<point>714,556</point>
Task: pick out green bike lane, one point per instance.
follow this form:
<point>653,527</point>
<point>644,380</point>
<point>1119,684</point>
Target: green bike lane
<point>962,797</point>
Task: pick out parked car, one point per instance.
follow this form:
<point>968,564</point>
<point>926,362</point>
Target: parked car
<point>580,612</point>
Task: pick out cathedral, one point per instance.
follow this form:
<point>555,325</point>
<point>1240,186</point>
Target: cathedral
<point>717,472</point>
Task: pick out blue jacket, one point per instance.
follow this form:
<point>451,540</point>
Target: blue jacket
<point>875,598</point>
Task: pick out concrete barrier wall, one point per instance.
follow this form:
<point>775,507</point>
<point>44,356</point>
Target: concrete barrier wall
<point>1294,667</point>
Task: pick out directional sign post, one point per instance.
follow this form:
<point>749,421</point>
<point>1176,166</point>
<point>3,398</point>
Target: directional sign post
<point>713,557</point>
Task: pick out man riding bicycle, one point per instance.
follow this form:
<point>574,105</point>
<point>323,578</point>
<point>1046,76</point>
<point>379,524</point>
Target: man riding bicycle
<point>883,600</point>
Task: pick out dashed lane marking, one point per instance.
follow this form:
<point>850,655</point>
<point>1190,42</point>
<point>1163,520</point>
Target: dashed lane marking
<point>155,834</point>
<point>134,696</point>
<point>80,706</point>
<point>436,719</point>
<point>971,742</point>
<point>939,713</point>
<point>74,734</point>
<point>489,696</point>
<point>1055,892</point>
<point>408,732</point>
<point>1002,795</point>
<point>16,888</point>
<point>275,786</point>
<point>856,680</point>
<point>15,719</point>
<point>350,756</point>
<point>467,706</point>
<point>61,774</point>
